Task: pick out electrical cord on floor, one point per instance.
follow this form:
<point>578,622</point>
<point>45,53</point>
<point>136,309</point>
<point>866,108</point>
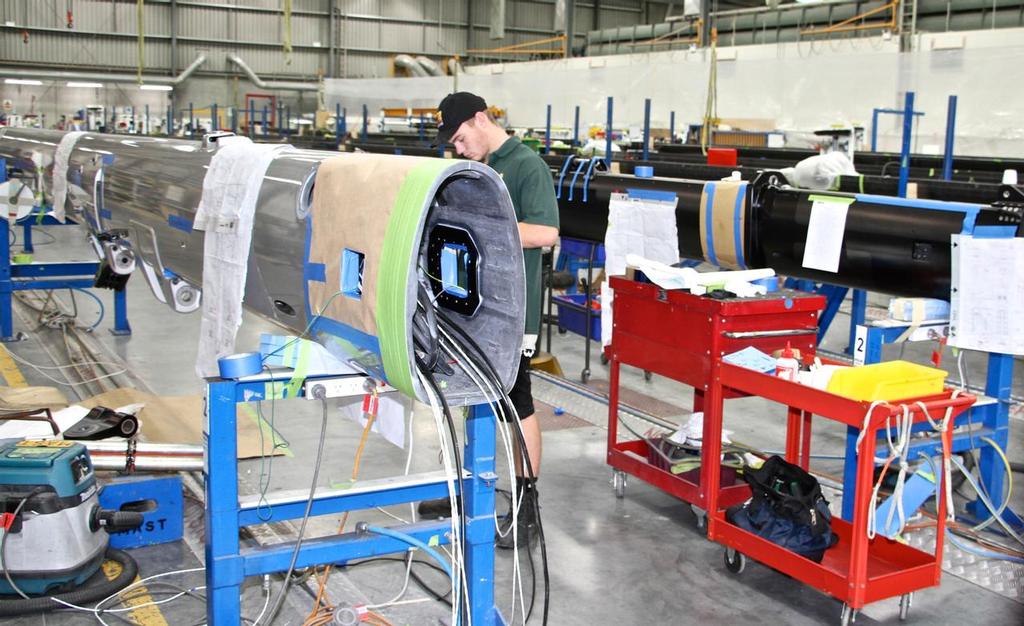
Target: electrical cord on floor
<point>483,361</point>
<point>320,393</point>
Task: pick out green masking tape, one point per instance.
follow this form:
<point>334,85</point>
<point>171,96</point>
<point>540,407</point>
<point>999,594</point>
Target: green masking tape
<point>398,253</point>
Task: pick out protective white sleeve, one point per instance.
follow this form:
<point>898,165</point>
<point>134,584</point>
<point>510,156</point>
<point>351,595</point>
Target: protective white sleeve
<point>226,210</point>
<point>60,171</point>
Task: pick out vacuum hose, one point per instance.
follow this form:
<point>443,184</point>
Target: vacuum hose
<point>94,589</point>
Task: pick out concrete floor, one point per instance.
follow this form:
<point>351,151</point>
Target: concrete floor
<point>634,560</point>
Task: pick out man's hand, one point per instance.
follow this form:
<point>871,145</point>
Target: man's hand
<point>537,236</point>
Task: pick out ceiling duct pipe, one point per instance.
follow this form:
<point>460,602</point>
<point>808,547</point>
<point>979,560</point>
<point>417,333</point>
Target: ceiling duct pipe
<point>279,85</point>
<point>173,81</point>
<point>409,64</point>
<point>430,66</point>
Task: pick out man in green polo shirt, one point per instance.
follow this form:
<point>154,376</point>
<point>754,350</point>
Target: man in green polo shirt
<point>466,123</point>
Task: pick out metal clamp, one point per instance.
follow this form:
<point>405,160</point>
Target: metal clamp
<point>167,287</point>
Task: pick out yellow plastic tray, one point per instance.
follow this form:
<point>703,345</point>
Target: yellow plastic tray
<point>893,380</point>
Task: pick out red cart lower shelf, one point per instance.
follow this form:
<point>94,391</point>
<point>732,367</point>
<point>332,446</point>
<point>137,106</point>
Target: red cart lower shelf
<point>857,570</point>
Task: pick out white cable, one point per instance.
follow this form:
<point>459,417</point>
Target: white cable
<point>493,396</point>
<point>435,408</point>
<point>42,370</point>
<point>266,603</point>
<point>95,610</point>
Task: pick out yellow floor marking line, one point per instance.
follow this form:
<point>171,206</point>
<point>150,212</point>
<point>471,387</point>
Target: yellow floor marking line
<point>146,615</point>
<point>9,370</point>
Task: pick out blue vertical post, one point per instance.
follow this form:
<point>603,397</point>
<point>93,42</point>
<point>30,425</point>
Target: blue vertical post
<point>874,130</point>
<point>145,121</point>
<point>366,122</point>
<point>214,122</point>
<point>6,286</point>
<point>26,235</point>
<point>280,114</point>
<point>947,159</point>
<point>908,131</point>
<point>647,128</point>
<point>113,119</point>
<point>422,130</point>
<point>234,119</point>
<point>251,114</point>
<point>547,132</point>
<point>858,313</point>
<point>576,127</point>
<point>608,138</point>
<point>224,572</point>
<point>170,121</point>
<point>344,121</point>
<point>337,126</point>
<point>996,420</point>
<point>121,326</point>
<point>191,121</point>
<point>479,503</point>
<point>672,127</point>
<point>266,127</point>
<point>288,120</point>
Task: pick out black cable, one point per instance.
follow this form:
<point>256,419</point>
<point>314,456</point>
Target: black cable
<point>96,588</point>
<point>488,369</point>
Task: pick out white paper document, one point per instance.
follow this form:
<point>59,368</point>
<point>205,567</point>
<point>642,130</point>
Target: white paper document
<point>986,311</point>
<point>825,230</point>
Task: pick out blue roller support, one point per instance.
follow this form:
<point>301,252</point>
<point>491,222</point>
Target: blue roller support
<point>547,132</point>
<point>576,127</point>
<point>647,128</point>
<point>671,126</point>
<point>947,159</point>
<point>608,137</point>
<point>908,131</point>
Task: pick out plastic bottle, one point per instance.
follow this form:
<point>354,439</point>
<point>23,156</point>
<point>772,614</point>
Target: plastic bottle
<point>786,366</point>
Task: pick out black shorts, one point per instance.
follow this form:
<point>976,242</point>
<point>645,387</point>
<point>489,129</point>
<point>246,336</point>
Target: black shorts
<point>521,394</point>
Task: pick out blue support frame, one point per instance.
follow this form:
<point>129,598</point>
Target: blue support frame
<point>672,127</point>
<point>366,123</point>
<point>989,419</point>
<point>227,565</point>
<point>576,127</point>
<point>834,296</point>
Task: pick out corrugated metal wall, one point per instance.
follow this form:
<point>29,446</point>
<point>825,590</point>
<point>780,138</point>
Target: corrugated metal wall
<point>367,33</point>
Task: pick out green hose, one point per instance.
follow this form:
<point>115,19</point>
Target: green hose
<point>398,253</point>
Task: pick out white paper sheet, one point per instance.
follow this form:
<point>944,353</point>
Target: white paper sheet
<point>392,413</point>
<point>635,226</point>
<point>825,231</point>
<point>985,313</point>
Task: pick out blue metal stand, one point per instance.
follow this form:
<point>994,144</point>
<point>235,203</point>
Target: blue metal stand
<point>227,565</point>
<point>576,127</point>
<point>608,138</point>
<point>990,418</point>
<point>908,133</point>
<point>834,296</point>
<point>50,275</point>
<point>647,128</point>
<point>874,123</point>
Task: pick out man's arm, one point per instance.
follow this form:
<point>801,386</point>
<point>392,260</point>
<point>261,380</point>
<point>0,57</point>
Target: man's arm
<point>537,235</point>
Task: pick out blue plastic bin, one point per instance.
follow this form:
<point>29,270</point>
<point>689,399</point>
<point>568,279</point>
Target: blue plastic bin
<point>575,320</point>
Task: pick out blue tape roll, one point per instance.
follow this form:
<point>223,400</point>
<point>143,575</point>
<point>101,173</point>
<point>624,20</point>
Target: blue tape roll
<point>771,283</point>
<point>643,171</point>
<point>239,365</point>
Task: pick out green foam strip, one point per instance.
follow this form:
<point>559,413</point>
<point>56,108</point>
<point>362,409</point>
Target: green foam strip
<point>399,251</point>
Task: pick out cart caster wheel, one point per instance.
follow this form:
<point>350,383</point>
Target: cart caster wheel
<point>905,601</point>
<point>702,523</point>
<point>848,616</point>
<point>647,375</point>
<point>735,562</point>
<point>604,359</point>
<point>561,331</point>
<point>619,483</point>
<point>585,376</point>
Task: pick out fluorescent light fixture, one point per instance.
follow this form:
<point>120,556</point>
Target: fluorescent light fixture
<point>155,87</point>
<point>22,81</point>
<point>85,85</point>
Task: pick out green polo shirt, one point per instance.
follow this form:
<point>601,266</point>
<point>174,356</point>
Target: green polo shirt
<point>529,183</point>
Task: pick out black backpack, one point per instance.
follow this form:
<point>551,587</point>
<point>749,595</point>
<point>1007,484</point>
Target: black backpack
<point>786,508</point>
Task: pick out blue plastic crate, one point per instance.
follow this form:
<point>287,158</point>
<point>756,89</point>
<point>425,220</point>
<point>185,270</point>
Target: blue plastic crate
<point>575,321</point>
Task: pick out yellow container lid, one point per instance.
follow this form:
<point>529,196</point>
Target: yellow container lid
<point>892,380</point>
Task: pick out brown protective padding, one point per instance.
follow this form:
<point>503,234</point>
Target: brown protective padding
<point>723,233</point>
<point>352,203</point>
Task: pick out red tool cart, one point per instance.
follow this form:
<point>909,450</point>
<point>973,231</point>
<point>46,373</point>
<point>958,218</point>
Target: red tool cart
<point>682,336</point>
<point>857,570</point>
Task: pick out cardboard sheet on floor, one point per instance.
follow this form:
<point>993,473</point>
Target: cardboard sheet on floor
<point>179,419</point>
<point>28,398</point>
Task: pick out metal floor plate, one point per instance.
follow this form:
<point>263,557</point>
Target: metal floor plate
<point>1002,577</point>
